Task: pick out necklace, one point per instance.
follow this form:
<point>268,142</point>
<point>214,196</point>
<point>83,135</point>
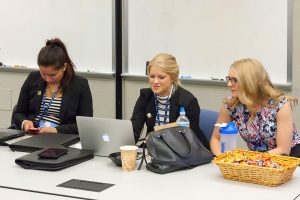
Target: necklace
<point>52,91</point>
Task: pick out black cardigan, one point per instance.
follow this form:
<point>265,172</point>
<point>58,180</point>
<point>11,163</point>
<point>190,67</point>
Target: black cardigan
<point>76,101</point>
<point>146,104</point>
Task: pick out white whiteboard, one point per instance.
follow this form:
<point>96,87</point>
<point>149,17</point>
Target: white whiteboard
<point>206,36</point>
<point>85,26</point>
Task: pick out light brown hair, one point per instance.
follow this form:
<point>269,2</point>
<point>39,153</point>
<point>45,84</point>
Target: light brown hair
<point>255,86</point>
<point>167,63</point>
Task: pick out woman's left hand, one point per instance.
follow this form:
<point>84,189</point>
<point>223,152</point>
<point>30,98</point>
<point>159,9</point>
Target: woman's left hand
<point>48,130</point>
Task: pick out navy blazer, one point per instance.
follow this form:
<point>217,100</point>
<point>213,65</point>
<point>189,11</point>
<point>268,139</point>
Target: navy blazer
<point>146,104</point>
<point>76,101</point>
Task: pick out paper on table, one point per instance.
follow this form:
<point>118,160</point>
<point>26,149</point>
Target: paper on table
<point>18,139</point>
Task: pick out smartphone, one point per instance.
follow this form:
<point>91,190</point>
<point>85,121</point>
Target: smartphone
<point>52,153</point>
<point>33,130</point>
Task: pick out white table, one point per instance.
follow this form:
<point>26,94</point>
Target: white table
<point>202,182</point>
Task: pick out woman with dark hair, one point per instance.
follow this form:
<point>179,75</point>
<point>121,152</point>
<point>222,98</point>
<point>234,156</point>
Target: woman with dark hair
<point>51,98</point>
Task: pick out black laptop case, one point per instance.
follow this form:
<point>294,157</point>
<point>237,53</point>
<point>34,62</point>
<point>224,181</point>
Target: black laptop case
<point>73,157</point>
<point>41,141</point>
<point>8,134</point>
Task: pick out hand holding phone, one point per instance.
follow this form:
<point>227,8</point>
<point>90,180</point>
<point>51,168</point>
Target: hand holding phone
<point>33,130</point>
<point>52,153</point>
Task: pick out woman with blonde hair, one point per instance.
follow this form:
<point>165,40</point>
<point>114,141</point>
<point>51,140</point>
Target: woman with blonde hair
<point>160,104</point>
<point>262,114</point>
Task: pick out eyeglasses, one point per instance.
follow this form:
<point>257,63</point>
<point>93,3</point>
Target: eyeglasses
<point>232,80</point>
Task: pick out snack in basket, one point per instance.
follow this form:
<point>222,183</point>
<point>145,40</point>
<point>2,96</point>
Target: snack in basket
<point>256,167</point>
<point>261,160</point>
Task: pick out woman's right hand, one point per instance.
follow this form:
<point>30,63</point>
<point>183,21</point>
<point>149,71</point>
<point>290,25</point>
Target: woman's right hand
<point>28,125</point>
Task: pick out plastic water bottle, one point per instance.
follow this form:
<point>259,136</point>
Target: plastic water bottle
<point>182,120</point>
<point>228,137</point>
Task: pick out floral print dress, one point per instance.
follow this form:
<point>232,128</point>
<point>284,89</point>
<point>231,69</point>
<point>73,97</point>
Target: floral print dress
<point>260,133</point>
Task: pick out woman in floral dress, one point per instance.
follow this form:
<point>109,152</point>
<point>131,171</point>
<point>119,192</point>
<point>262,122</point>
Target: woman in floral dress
<point>262,114</point>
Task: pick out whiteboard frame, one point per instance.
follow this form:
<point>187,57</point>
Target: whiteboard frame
<point>286,86</point>
<point>111,40</point>
<point>290,41</point>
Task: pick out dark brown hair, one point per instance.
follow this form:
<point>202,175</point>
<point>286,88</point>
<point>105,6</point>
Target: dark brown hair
<point>55,54</point>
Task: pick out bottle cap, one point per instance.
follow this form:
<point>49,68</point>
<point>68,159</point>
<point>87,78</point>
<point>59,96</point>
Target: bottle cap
<point>182,110</point>
<point>229,129</point>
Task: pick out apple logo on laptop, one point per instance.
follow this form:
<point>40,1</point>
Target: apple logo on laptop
<point>105,137</point>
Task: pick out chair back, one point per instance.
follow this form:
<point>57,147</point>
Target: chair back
<point>207,121</point>
<point>12,122</point>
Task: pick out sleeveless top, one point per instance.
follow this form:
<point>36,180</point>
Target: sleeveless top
<point>260,133</point>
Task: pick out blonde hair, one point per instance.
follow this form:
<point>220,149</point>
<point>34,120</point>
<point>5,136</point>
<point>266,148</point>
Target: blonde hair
<point>167,63</point>
<point>255,86</point>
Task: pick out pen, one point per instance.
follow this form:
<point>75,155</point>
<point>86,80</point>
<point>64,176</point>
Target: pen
<point>217,79</point>
<point>185,76</point>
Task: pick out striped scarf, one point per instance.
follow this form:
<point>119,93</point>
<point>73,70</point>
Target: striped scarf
<point>163,109</point>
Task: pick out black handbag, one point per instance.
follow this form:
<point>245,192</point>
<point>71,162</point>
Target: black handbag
<point>175,148</point>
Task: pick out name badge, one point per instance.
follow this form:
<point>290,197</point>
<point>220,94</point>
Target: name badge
<point>44,124</point>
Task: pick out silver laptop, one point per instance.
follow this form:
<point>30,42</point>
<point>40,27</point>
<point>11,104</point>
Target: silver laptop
<point>104,136</point>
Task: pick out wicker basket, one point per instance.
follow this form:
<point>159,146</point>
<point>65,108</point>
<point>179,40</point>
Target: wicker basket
<point>255,174</point>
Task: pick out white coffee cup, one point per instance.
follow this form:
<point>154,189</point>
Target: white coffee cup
<point>128,157</point>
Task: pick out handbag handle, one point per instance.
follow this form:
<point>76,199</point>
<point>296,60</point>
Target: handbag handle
<point>173,149</point>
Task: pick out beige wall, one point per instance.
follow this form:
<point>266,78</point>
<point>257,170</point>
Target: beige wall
<point>11,82</point>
